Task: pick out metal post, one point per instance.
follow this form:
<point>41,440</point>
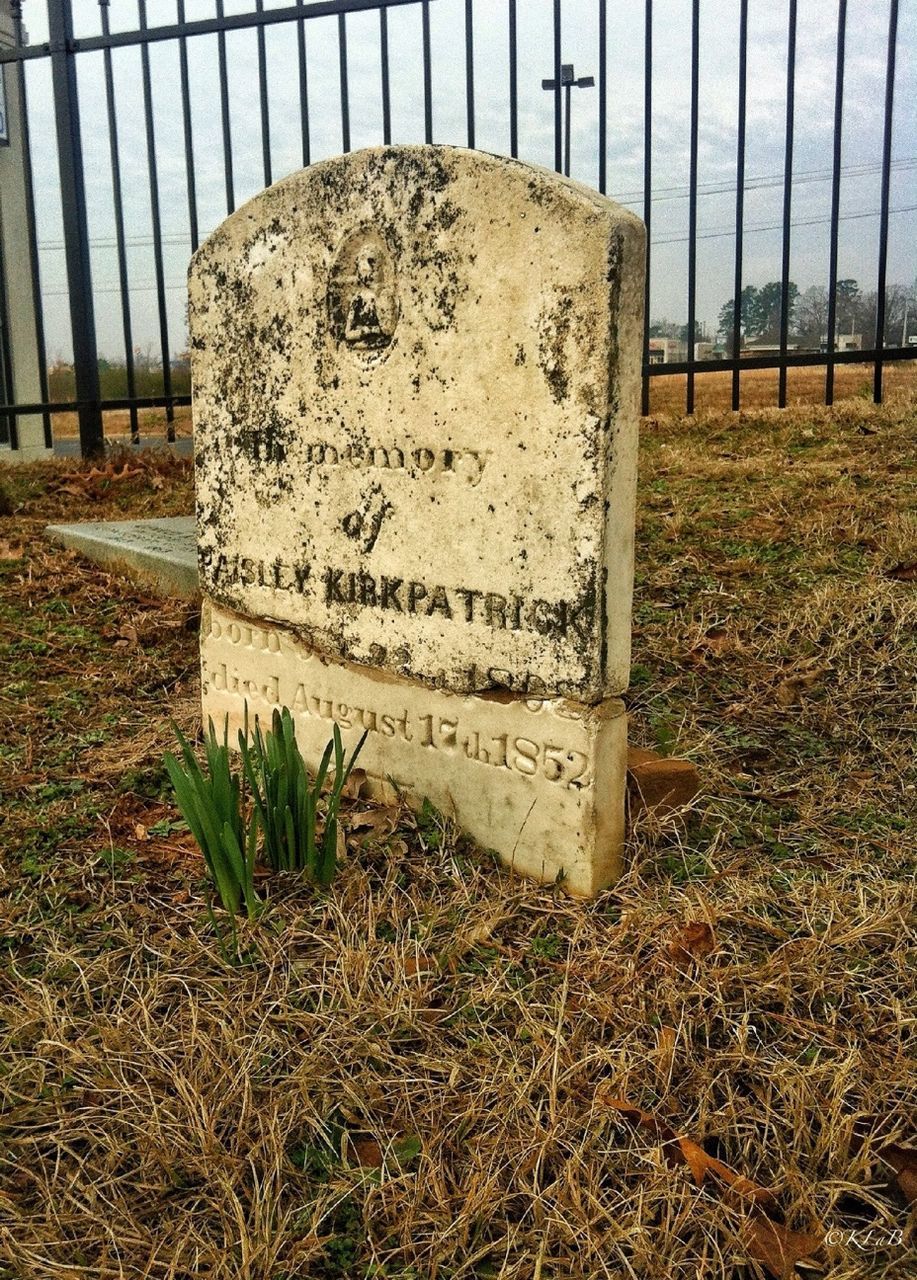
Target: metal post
<point>76,233</point>
<point>567,81</point>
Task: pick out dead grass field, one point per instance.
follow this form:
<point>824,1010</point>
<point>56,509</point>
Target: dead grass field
<point>713,391</point>
<point>805,386</point>
<point>117,424</point>
<point>437,1071</point>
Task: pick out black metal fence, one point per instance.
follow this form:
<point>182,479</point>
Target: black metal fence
<point>63,50</point>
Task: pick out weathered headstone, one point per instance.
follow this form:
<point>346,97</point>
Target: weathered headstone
<point>415,379</point>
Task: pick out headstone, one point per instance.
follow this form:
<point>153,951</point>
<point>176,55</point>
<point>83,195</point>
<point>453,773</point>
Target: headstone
<point>416,373</point>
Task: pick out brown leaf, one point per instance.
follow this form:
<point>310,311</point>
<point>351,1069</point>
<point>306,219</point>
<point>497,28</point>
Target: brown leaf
<point>789,690</point>
<point>127,637</point>
<point>140,831</point>
<point>380,822</point>
<point>681,1150</point>
<point>366,1152</point>
<point>666,1040</point>
<point>9,551</point>
<point>904,1162</point>
<point>694,941</point>
<point>354,784</point>
<point>636,1115</point>
<point>904,572</point>
<point>778,1247</point>
<point>700,1164</point>
<point>419,965</point>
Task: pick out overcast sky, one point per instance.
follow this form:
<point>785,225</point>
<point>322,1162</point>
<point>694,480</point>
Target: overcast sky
<point>867,29</point>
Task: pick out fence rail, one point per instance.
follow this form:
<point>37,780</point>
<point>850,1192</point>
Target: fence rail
<point>63,50</point>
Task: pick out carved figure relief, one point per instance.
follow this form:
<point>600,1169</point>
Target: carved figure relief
<point>362,298</point>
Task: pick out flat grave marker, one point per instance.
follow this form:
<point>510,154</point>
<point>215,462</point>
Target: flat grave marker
<point>160,552</point>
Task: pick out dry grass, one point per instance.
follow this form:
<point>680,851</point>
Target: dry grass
<point>421,1073</point>
<point>805,386</point>
<point>117,424</point>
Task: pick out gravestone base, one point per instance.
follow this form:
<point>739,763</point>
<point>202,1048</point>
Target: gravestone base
<point>541,782</point>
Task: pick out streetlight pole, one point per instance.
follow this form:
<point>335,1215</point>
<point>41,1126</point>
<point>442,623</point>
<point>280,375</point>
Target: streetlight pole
<point>568,82</point>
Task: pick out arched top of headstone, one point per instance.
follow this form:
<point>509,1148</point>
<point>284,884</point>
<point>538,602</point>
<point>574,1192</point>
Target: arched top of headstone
<point>415,382</point>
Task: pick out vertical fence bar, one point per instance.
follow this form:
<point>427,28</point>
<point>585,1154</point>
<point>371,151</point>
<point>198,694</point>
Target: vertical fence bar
<point>427,73</point>
<point>386,79</point>
<point>469,69</point>
<point>263,101</point>
<point>303,89</point>
<point>787,201</point>
<point>155,219</point>
<point>513,82</point>
<point>647,188</point>
<point>835,199</point>
<point>123,285</point>
<point>692,201</point>
<point>190,180</point>
<point>16,9</point>
<point>740,201</point>
<point>558,121</point>
<point>9,428</point>
<point>76,233</point>
<point>224,116</point>
<point>603,95</point>
<point>886,184</point>
<point>345,88</point>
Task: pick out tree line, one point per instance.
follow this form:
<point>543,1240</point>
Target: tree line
<point>761,311</point>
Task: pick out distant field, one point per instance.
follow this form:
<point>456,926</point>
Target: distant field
<point>759,386</point>
<point>667,395</point>
<point>118,424</point>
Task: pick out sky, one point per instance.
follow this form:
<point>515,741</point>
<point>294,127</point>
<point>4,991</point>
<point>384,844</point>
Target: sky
<point>867,32</point>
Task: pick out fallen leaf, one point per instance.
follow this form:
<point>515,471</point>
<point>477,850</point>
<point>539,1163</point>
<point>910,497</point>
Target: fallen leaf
<point>904,1162</point>
<point>380,822</point>
<point>701,1163</point>
<point>127,637</point>
<point>354,784</point>
<point>694,941</point>
<point>789,690</point>
<point>904,572</point>
<point>10,552</point>
<point>140,831</point>
<point>778,1247</point>
<point>679,1150</point>
<point>637,1115</point>
<point>366,1152</point>
<point>419,965</point>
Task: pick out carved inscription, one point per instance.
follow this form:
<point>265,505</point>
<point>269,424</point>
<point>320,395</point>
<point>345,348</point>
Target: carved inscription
<point>265,444</point>
<point>358,589</point>
<point>530,754</point>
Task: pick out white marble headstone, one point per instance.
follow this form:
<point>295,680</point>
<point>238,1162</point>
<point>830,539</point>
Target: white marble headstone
<point>416,379</point>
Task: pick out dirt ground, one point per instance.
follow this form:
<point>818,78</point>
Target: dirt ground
<point>436,1070</point>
